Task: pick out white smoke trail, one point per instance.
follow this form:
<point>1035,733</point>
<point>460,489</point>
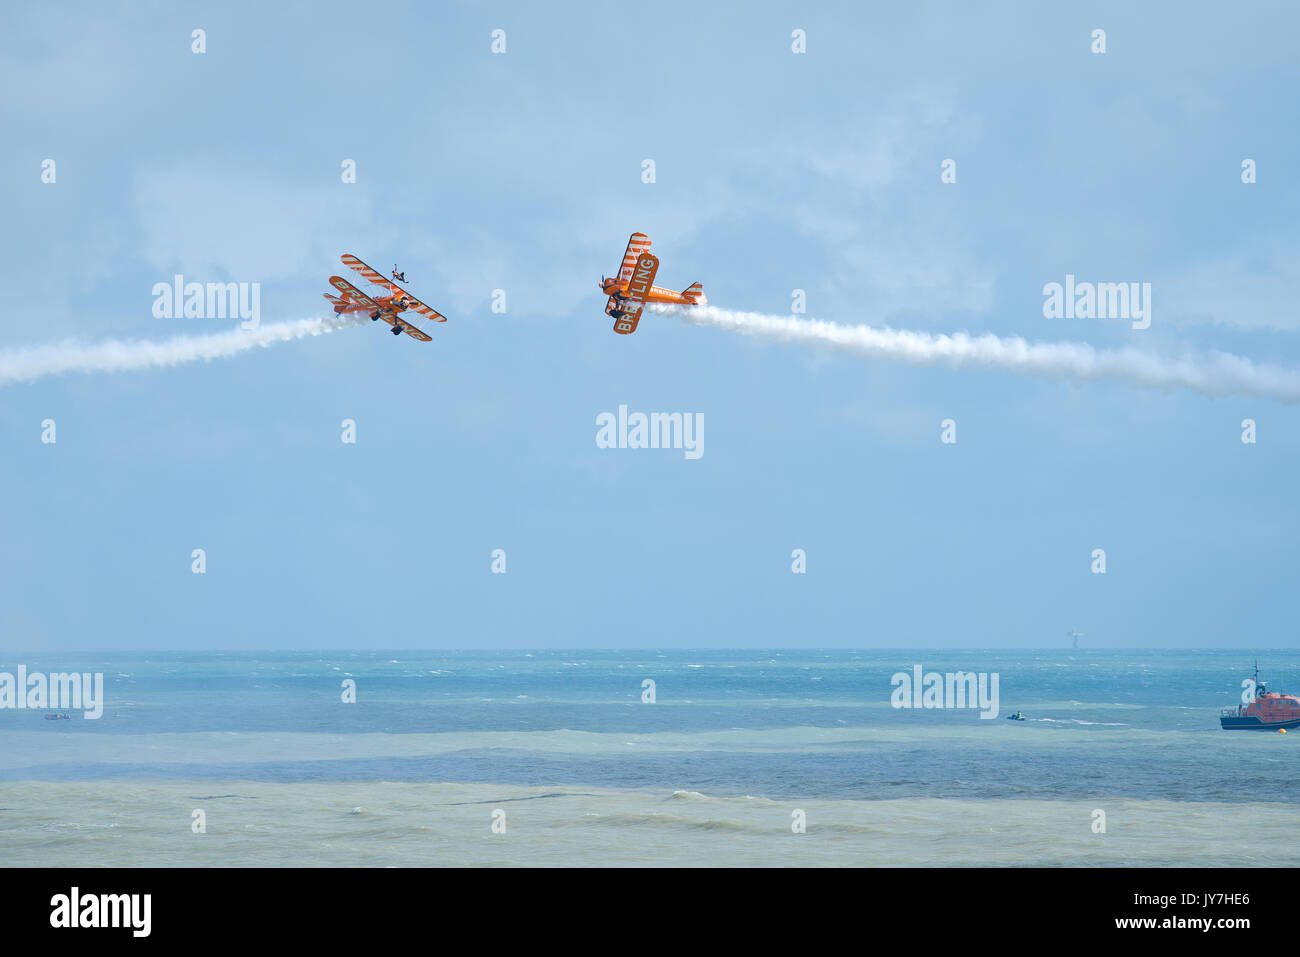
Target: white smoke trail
<point>34,362</point>
<point>1210,374</point>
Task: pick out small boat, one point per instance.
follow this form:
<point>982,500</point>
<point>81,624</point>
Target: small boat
<point>1016,717</point>
<point>1270,711</point>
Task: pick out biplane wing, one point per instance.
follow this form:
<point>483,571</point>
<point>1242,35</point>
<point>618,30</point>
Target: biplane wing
<point>625,324</point>
<point>406,327</point>
<point>637,244</point>
<point>351,293</point>
<point>413,332</point>
<point>643,277</point>
<point>373,275</point>
<point>627,316</point>
<point>640,280</point>
<point>352,262</point>
<point>427,311</point>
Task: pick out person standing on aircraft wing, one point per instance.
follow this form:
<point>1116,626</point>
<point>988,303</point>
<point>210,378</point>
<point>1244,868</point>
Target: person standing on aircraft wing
<point>398,276</point>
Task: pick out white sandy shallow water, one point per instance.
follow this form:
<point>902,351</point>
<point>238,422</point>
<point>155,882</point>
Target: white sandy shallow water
<point>379,824</point>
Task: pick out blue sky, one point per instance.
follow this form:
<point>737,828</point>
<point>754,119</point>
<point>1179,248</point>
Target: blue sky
<point>522,171</point>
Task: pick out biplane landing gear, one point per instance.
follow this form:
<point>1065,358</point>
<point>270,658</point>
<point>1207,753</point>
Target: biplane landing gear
<point>374,316</point>
<point>397,330</point>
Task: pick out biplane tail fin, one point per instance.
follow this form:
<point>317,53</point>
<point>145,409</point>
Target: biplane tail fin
<point>695,294</point>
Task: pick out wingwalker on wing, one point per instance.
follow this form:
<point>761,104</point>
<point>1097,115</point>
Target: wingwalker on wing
<point>388,308</point>
<point>634,287</point>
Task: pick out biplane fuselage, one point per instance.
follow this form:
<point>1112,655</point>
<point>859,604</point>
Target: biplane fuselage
<point>634,286</point>
<point>388,306</point>
<point>621,290</point>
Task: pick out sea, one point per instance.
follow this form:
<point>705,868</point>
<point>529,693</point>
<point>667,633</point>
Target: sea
<point>789,758</point>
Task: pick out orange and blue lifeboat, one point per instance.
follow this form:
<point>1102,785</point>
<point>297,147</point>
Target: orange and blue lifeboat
<point>1269,711</point>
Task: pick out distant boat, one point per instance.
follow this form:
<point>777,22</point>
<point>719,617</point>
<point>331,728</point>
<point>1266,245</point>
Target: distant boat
<point>1270,711</point>
<point>56,717</point>
<point>1016,717</point>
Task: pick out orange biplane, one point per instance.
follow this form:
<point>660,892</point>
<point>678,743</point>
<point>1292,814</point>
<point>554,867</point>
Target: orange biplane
<point>634,287</point>
<point>388,308</point>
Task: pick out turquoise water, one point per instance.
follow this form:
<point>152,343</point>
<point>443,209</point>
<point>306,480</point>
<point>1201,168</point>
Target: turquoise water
<point>267,736</point>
